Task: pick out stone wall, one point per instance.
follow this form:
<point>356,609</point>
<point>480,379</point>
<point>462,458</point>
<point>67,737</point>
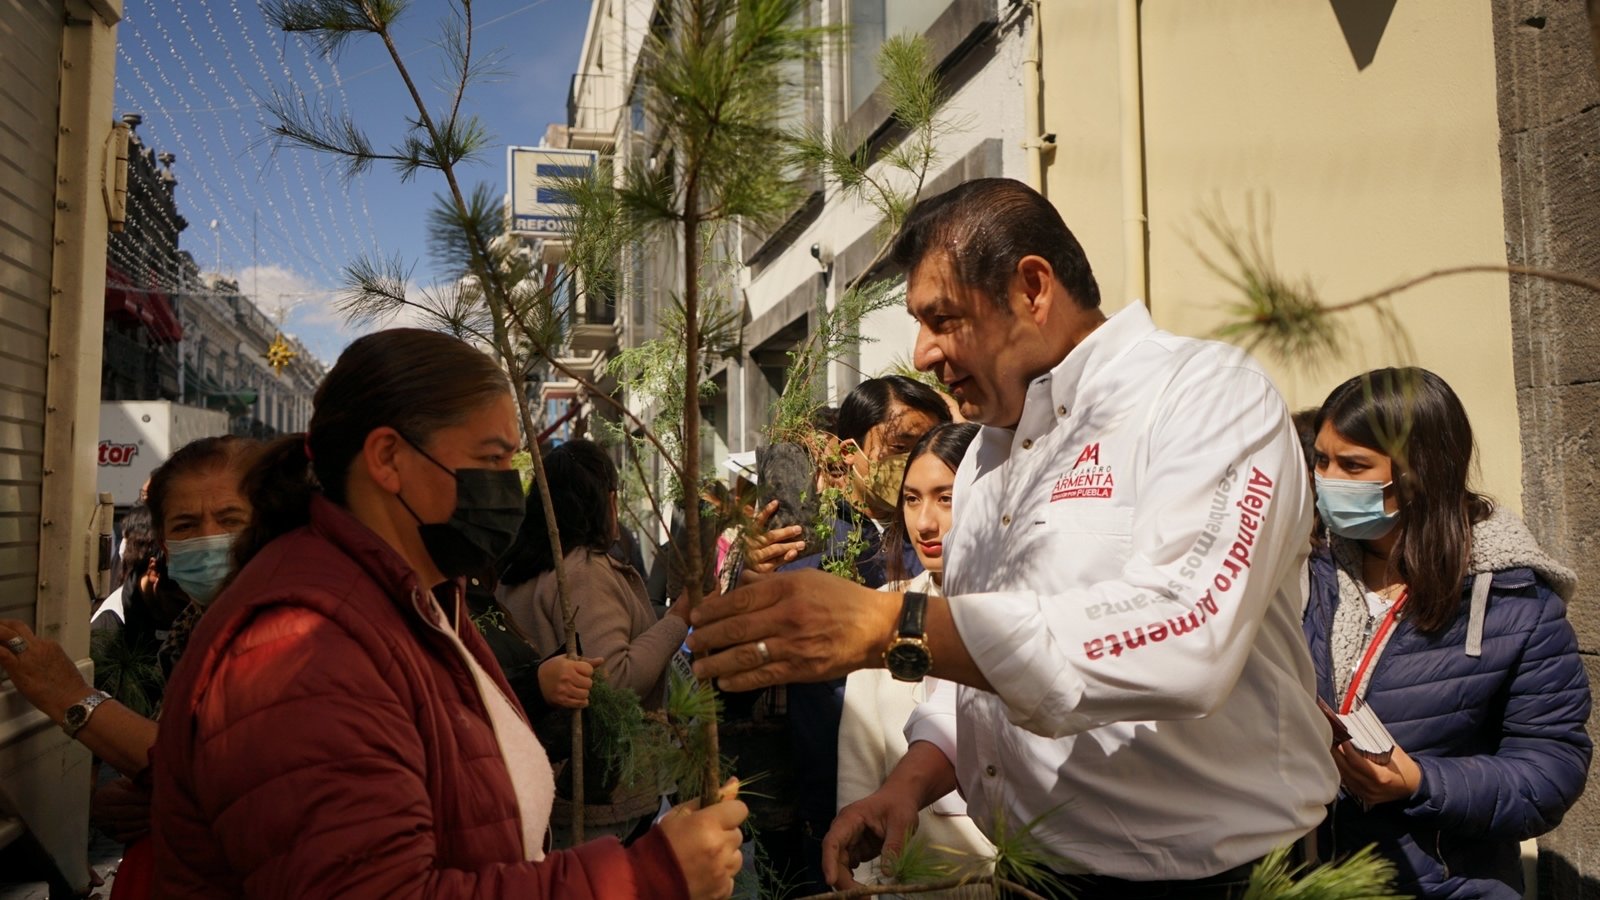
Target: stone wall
<point>1549,101</point>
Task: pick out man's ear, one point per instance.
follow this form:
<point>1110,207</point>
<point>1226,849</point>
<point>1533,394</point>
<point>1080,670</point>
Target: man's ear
<point>1035,280</point>
<point>378,454</point>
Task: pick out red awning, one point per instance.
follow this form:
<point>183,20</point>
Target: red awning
<point>134,305</point>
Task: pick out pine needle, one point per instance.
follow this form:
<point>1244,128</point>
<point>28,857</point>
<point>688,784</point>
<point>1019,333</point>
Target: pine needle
<point>1363,876</point>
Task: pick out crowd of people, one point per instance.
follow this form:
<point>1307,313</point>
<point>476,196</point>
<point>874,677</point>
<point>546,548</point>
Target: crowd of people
<point>1096,587</point>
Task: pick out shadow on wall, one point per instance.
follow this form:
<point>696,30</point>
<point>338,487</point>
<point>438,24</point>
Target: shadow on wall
<point>1560,880</point>
<point>1363,23</point>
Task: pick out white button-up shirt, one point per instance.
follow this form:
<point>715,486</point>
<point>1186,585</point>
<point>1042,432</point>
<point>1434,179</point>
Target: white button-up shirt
<point>1123,567</point>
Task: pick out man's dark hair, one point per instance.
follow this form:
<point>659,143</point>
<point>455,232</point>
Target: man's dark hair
<point>986,227</point>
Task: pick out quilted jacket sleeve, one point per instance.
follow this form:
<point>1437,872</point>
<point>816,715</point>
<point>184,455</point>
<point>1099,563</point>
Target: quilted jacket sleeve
<point>311,772</point>
<point>1524,788</point>
<point>604,618</point>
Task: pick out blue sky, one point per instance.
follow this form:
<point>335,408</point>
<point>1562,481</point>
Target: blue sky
<point>286,221</point>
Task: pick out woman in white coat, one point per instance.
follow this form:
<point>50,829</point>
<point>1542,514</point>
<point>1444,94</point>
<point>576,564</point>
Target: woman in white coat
<point>871,734</point>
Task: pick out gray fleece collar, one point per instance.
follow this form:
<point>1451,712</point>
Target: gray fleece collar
<point>1503,542</point>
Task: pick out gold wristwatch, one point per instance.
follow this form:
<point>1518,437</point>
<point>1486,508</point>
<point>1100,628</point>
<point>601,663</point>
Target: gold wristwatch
<point>907,655</point>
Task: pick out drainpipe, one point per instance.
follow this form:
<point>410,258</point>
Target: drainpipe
<point>1037,141</point>
<point>1135,229</point>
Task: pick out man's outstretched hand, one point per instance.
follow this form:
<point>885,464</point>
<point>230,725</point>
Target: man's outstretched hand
<point>814,626</point>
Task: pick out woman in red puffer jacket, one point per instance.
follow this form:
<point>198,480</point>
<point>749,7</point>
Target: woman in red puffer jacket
<point>337,726</point>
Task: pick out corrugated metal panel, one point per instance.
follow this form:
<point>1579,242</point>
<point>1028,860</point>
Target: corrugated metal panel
<point>30,70</point>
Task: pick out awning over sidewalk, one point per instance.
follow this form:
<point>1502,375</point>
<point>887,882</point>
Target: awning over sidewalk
<point>126,302</point>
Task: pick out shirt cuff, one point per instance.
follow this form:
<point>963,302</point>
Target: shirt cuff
<point>936,727</point>
<point>1012,646</point>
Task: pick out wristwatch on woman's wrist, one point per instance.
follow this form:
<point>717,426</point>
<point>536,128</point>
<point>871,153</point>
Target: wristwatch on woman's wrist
<point>907,656</point>
<point>77,715</point>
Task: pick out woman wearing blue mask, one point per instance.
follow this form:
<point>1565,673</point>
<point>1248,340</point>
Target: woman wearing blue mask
<point>195,506</point>
<point>1439,613</point>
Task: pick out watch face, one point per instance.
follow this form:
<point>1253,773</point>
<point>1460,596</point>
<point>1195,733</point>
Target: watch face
<point>908,660</point>
<point>76,715</point>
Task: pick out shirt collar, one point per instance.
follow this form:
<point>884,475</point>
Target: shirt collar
<point>1097,351</point>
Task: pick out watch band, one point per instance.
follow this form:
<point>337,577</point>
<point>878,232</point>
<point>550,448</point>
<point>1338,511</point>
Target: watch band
<point>913,615</point>
<point>78,714</point>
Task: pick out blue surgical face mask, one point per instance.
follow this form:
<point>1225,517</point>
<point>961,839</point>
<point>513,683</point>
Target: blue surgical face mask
<point>1354,509</point>
<point>200,565</point>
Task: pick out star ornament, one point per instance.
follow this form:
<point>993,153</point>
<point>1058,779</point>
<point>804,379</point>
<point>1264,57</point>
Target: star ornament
<point>279,354</point>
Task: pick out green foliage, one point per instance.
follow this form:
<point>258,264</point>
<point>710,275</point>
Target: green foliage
<point>1364,876</point>
<point>840,558</point>
<point>1271,314</point>
<point>331,23</point>
<point>862,172</point>
<point>619,722</point>
<point>837,334</point>
<point>919,861</point>
<point>431,142</point>
<point>1019,855</point>
<point>667,748</point>
<point>127,670</point>
<point>717,71</point>
<point>522,461</point>
<point>1284,319</point>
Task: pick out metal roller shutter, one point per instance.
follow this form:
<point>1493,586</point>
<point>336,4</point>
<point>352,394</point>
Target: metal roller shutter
<point>30,67</point>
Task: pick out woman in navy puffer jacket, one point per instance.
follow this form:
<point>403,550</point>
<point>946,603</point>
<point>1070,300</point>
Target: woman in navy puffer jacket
<point>1451,624</point>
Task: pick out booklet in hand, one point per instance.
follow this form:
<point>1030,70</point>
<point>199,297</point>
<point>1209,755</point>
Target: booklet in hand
<point>1363,729</point>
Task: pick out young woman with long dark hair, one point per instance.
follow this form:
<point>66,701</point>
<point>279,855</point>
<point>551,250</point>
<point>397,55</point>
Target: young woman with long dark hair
<point>1440,613</point>
<point>872,732</point>
<point>337,726</point>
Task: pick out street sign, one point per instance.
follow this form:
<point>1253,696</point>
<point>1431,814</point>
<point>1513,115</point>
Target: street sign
<point>538,207</point>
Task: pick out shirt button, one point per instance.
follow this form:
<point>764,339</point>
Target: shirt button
<point>1061,410</point>
<point>989,771</point>
<point>1005,520</point>
<point>1027,443</point>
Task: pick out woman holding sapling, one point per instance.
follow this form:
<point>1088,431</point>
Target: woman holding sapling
<point>1440,613</point>
<point>338,727</point>
<point>615,624</point>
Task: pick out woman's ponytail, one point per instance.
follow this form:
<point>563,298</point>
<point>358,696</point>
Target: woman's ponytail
<point>279,487</point>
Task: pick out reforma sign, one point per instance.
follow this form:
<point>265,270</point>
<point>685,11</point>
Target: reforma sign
<point>539,209</point>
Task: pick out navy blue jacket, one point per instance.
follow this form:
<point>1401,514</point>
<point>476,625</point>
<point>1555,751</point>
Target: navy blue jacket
<point>1499,737</point>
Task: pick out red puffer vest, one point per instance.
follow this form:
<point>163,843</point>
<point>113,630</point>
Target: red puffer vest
<point>319,740</point>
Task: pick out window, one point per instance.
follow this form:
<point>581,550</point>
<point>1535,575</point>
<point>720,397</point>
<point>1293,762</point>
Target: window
<point>871,23</point>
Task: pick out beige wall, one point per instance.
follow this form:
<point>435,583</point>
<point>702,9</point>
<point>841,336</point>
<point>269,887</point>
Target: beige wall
<point>1368,175</point>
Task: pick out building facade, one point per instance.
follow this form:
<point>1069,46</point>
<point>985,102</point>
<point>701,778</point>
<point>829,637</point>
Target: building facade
<point>780,281</point>
<point>143,264</point>
<point>1362,145</point>
<point>223,357</point>
<point>174,333</point>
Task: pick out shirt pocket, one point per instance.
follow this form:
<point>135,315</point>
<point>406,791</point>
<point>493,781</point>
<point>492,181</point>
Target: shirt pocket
<point>1088,545</point>
<point>1108,521</point>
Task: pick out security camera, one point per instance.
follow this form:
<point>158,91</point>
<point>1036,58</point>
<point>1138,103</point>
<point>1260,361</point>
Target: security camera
<point>823,254</point>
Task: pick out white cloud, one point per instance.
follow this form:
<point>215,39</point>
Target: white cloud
<point>311,310</point>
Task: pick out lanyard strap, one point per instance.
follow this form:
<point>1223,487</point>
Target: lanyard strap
<point>1384,628</point>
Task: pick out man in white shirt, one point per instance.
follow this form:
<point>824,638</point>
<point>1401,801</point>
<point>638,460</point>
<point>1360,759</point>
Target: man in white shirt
<point>1121,587</point>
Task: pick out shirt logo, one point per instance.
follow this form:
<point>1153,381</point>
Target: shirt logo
<point>1088,478</point>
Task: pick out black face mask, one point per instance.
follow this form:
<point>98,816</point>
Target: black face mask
<point>489,510</point>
